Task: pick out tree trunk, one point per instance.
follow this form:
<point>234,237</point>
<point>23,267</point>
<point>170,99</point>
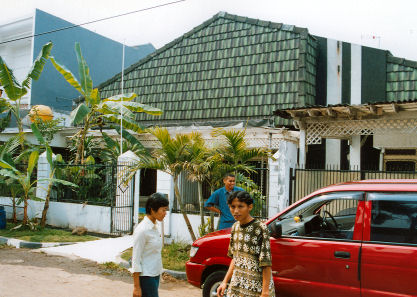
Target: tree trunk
<point>14,216</point>
<point>46,205</point>
<point>182,208</point>
<point>200,199</point>
<point>80,145</point>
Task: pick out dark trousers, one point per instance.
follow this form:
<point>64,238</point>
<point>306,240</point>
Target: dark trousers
<point>149,285</point>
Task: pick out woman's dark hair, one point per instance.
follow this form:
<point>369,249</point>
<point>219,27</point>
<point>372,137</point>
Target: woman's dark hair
<point>155,201</point>
<point>242,196</point>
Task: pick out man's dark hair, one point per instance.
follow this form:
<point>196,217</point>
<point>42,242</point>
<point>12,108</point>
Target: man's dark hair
<point>155,201</point>
<point>242,196</point>
<point>228,175</point>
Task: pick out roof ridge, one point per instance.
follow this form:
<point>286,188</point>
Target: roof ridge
<point>401,61</point>
<point>259,22</point>
<point>222,14</point>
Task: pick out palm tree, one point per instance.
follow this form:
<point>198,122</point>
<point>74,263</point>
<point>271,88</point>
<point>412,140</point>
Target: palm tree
<point>15,91</point>
<point>170,158</point>
<point>197,167</point>
<point>235,153</point>
<point>94,110</point>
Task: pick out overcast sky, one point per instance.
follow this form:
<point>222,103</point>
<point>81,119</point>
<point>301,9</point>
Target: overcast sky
<point>387,24</point>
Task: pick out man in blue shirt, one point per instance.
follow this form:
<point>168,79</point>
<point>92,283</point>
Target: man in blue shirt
<point>217,202</point>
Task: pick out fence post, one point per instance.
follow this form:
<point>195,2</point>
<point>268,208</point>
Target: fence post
<point>43,171</point>
<point>286,157</point>
<point>125,203</point>
<point>291,186</point>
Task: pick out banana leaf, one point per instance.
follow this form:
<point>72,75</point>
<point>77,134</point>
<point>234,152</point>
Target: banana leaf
<point>128,123</point>
<point>38,65</point>
<point>33,160</point>
<point>78,115</point>
<point>84,71</point>
<point>67,74</point>
<point>11,86</point>
<point>121,97</point>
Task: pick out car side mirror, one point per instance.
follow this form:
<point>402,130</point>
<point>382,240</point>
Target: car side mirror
<point>275,229</point>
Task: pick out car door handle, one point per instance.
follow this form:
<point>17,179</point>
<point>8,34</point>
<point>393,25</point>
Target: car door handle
<point>342,255</point>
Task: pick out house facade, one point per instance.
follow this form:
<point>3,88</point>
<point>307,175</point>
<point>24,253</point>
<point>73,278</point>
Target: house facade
<point>366,117</point>
<point>104,56</point>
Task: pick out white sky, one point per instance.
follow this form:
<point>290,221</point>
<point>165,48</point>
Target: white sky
<point>393,22</point>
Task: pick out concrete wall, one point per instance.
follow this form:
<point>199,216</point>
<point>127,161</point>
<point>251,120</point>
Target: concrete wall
<point>179,230</point>
<point>279,177</point>
<point>67,215</point>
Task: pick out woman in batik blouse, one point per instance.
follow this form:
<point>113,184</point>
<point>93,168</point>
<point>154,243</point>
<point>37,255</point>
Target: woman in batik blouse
<point>250,272</point>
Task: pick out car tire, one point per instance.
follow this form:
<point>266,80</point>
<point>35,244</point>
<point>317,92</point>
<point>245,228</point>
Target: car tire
<point>212,282</point>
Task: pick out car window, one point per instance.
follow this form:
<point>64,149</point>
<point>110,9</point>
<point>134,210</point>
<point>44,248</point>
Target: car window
<point>394,217</point>
<point>324,216</point>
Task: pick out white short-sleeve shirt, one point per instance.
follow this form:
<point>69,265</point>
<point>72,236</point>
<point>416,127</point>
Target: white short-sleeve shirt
<point>147,246</point>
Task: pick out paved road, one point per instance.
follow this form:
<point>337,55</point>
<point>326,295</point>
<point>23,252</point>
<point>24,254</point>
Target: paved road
<point>25,273</point>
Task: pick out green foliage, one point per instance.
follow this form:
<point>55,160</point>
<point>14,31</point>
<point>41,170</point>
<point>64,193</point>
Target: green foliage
<point>205,228</point>
<point>39,234</point>
<point>93,111</point>
<point>15,91</point>
<point>48,128</point>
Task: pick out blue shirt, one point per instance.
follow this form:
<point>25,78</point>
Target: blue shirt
<point>219,200</point>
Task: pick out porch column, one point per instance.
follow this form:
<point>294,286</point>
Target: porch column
<point>279,177</point>
<point>125,194</point>
<point>44,170</point>
<point>333,153</point>
<point>355,152</point>
<point>302,145</point>
<point>165,185</point>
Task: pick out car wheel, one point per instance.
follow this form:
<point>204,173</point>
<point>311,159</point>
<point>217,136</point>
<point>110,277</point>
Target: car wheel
<point>212,282</point>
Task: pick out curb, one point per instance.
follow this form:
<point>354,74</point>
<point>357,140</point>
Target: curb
<point>30,245</point>
<point>176,274</point>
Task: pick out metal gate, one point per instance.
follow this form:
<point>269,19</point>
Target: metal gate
<point>305,181</point>
<point>122,210</point>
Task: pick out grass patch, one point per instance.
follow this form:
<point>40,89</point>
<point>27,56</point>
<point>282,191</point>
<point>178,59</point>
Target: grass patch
<point>43,234</point>
<point>113,266</point>
<point>174,255</point>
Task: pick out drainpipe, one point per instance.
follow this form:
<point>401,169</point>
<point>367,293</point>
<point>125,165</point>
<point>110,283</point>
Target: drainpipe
<point>381,159</point>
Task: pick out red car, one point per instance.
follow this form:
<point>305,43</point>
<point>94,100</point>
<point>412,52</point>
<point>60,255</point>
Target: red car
<point>351,239</point>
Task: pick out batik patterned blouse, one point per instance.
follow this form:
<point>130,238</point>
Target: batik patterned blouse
<point>250,249</point>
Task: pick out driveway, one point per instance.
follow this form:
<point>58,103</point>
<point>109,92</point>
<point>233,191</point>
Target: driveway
<point>25,273</point>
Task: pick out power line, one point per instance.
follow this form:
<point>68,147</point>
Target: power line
<point>95,21</point>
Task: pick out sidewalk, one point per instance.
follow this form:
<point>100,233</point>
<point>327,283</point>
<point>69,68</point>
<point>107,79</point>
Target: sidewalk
<point>100,251</point>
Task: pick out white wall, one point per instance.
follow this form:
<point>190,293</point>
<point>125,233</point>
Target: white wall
<point>279,177</point>
<point>67,215</point>
<point>179,230</point>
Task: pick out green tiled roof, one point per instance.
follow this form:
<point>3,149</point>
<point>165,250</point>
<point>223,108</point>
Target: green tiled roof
<point>401,79</point>
<point>228,69</point>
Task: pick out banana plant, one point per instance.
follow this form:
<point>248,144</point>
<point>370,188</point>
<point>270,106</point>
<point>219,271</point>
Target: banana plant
<point>49,157</point>
<point>130,143</point>
<point>23,177</point>
<point>94,110</point>
<point>15,90</point>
